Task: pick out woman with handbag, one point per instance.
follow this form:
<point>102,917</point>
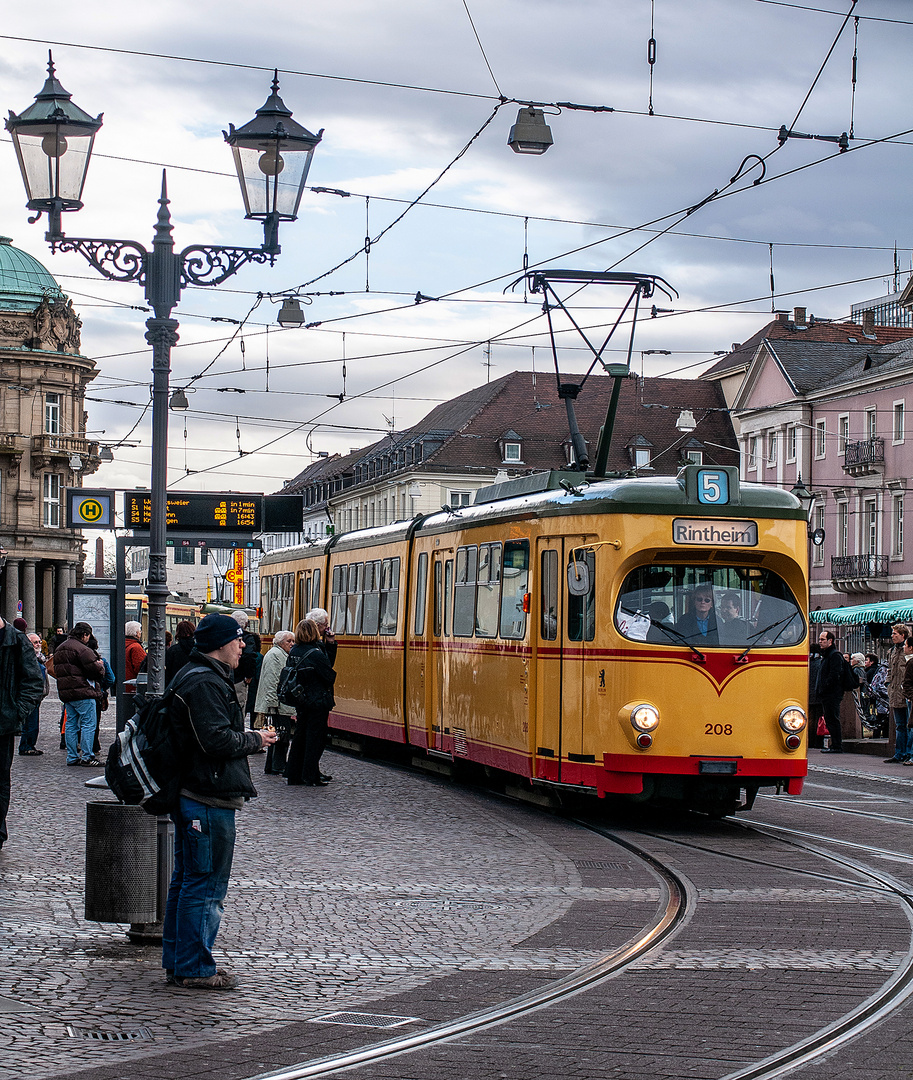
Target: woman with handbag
<point>314,679</point>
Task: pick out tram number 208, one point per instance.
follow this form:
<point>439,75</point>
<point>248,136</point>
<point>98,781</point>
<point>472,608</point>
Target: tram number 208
<point>718,729</point>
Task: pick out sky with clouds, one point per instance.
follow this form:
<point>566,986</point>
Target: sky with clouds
<point>401,89</point>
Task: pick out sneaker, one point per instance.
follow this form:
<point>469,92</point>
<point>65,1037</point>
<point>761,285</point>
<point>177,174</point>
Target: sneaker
<point>892,760</point>
<point>907,761</point>
<point>220,981</point>
<point>92,763</point>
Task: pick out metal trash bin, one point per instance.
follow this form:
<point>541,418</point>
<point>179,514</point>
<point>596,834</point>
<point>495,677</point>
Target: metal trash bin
<point>121,857</point>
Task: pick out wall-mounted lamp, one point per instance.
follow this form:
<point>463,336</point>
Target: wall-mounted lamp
<point>106,454</point>
<point>530,134</point>
<point>75,462</point>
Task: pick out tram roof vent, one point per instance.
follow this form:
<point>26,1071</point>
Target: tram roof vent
<point>526,485</point>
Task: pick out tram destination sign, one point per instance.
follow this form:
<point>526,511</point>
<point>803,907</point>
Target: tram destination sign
<point>197,512</point>
<point>706,532</point>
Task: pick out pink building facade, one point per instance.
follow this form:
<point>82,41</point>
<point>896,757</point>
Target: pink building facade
<point>837,413</point>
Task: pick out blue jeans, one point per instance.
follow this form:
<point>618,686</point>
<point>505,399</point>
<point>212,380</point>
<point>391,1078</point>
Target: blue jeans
<point>204,843</point>
<point>82,721</point>
<point>30,732</point>
<point>902,747</point>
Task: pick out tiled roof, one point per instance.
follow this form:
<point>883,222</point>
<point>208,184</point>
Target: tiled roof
<point>814,331</point>
<point>464,434</point>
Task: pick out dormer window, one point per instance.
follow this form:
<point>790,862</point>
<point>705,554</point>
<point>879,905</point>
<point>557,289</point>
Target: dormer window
<point>511,447</point>
<point>640,451</point>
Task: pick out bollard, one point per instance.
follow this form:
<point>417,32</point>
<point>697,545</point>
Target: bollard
<point>121,879</point>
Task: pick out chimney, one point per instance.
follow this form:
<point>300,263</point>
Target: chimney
<point>736,345</point>
<point>799,316</point>
<point>868,322</point>
<point>782,316</point>
<point>99,557</point>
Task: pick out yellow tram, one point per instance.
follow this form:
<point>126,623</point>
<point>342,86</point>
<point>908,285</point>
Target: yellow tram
<point>644,637</point>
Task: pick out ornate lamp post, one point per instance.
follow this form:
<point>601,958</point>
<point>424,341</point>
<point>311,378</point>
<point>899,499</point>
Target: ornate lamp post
<point>53,140</point>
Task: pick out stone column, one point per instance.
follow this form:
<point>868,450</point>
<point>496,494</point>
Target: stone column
<point>47,598</point>
<point>28,592</point>
<point>62,572</point>
<point>11,580</point>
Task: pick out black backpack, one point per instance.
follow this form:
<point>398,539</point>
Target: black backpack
<point>314,694</point>
<point>849,680</point>
<point>145,763</point>
<point>287,689</point>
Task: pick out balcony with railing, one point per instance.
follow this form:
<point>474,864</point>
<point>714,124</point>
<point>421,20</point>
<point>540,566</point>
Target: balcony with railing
<point>48,450</point>
<point>864,458</point>
<point>860,573</point>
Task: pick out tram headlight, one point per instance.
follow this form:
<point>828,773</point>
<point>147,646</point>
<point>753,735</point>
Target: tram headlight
<point>644,718</point>
<point>793,720</point>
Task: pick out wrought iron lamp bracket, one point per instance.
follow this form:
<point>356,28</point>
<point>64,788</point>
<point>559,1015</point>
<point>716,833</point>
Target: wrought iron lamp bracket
<point>203,265</point>
<point>117,260</point>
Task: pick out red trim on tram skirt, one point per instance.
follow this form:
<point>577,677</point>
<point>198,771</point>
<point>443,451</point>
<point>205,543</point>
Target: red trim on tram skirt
<point>690,766</point>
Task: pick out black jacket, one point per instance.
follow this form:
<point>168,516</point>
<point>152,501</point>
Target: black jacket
<point>247,665</point>
<point>313,666</point>
<point>207,713</point>
<point>176,657</point>
<point>830,673</point>
<point>21,681</point>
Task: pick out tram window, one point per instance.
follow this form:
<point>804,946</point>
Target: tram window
<point>548,595</point>
<point>355,598</point>
<point>514,587</point>
<point>304,592</point>
<point>371,616</point>
<point>338,602</point>
<point>389,595</point>
<point>581,610</point>
<point>448,595</point>
<point>732,606</point>
<point>488,590</point>
<point>421,591</point>
<point>438,600</point>
<point>315,590</point>
<point>464,593</point>
<point>288,598</point>
<point>275,604</point>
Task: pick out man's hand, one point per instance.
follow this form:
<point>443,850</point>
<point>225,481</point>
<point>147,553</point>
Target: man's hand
<point>267,736</point>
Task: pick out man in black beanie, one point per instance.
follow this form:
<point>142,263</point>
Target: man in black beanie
<point>217,782</point>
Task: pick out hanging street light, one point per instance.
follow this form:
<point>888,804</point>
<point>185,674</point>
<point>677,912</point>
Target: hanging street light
<point>179,401</point>
<point>530,134</point>
<point>290,314</point>
<point>53,140</point>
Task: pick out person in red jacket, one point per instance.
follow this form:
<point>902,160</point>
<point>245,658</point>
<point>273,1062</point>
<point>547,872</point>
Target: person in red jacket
<point>136,655</point>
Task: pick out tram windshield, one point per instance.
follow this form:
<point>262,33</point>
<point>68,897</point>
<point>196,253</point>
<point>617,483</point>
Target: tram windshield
<point>732,606</point>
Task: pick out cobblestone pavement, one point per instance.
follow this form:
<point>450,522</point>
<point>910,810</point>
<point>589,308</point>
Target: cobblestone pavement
<point>339,895</point>
<point>389,893</point>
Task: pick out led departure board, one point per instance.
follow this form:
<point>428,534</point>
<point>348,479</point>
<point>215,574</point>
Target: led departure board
<point>197,512</point>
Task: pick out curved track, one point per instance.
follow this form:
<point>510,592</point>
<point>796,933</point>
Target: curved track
<point>679,902</point>
<point>672,911</point>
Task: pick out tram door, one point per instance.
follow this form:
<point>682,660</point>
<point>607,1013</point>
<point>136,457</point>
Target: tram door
<point>439,736</point>
<point>562,633</point>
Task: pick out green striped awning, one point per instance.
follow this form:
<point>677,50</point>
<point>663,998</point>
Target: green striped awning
<point>891,611</point>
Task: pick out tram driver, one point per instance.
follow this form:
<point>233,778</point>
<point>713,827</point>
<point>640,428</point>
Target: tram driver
<point>699,625</point>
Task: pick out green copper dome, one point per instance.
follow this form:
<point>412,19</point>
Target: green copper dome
<point>23,280</point>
